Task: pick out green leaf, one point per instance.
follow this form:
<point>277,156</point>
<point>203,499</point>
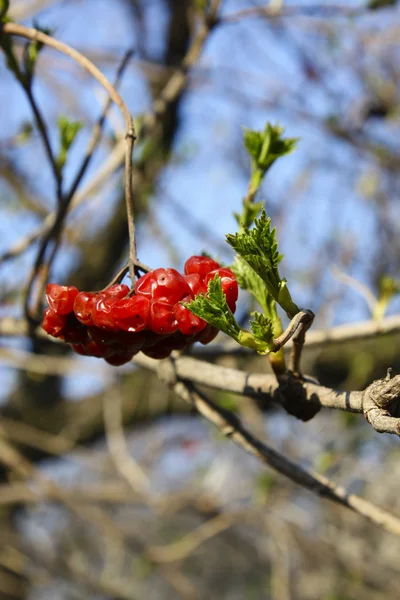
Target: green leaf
<point>377,4</point>
<point>265,147</point>
<point>248,280</point>
<point>262,328</point>
<point>214,309</point>
<point>4,6</point>
<point>33,49</point>
<point>259,248</point>
<point>68,131</point>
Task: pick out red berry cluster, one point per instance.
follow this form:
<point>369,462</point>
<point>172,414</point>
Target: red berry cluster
<point>115,325</point>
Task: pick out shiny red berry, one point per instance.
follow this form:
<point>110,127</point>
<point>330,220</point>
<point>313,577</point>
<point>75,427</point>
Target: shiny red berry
<point>61,298</point>
<point>132,314</point>
<point>117,291</point>
<point>102,312</point>
<point>53,323</point>
<point>145,284</point>
<point>162,319</point>
<point>196,284</point>
<point>189,324</point>
<point>170,286</point>
<point>83,307</point>
<point>201,265</point>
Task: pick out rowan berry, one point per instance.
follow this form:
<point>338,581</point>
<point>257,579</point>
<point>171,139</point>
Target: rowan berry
<point>158,351</point>
<point>131,314</point>
<point>61,298</point>
<point>201,265</point>
<point>83,306</point>
<point>189,324</point>
<point>162,318</point>
<point>53,323</point>
<point>74,332</point>
<point>117,291</point>
<point>117,360</point>
<point>207,335</point>
<point>170,286</point>
<point>196,284</point>
<point>145,284</point>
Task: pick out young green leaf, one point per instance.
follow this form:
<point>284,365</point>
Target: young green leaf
<point>32,51</point>
<point>4,6</point>
<point>259,248</point>
<point>68,131</point>
<point>265,147</point>
<point>248,280</point>
<point>214,309</point>
<point>262,328</point>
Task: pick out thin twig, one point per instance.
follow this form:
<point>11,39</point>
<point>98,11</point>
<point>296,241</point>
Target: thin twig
<point>98,128</point>
<point>33,34</point>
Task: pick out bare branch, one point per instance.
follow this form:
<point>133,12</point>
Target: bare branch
<point>231,427</point>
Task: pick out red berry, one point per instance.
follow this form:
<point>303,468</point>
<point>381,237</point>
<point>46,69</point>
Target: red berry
<point>170,286</point>
<point>80,349</point>
<point>158,351</point>
<point>201,265</point>
<point>207,335</point>
<point>177,341</point>
<point>74,332</point>
<point>228,283</point>
<point>117,291</point>
<point>145,284</point>
<point>83,307</point>
<point>129,341</point>
<point>153,338</point>
<point>53,323</point>
<point>98,349</point>
<point>162,318</point>
<point>61,298</point>
<point>131,314</point>
<point>189,324</point>
<point>119,359</point>
<point>196,284</point>
<point>103,314</point>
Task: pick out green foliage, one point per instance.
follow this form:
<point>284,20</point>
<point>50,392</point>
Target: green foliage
<point>259,248</point>
<point>32,51</point>
<point>248,280</point>
<point>68,131</point>
<point>214,309</point>
<point>388,287</point>
<point>377,4</point>
<point>4,6</point>
<point>262,328</point>
<point>265,147</point>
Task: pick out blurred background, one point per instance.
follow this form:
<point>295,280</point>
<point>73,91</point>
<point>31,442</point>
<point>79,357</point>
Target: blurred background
<point>74,520</point>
